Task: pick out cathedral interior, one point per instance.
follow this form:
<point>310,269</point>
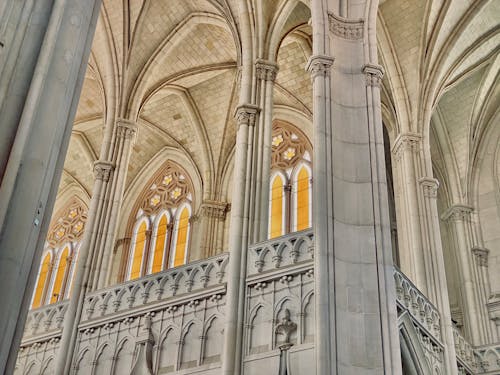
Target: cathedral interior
<point>250,187</point>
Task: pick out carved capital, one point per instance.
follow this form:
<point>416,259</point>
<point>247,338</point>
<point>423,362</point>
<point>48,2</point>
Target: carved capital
<point>458,212</point>
<point>266,70</point>
<point>214,209</point>
<point>493,306</point>
<point>246,114</point>
<point>286,327</point>
<point>346,28</point>
<point>429,186</point>
<point>125,128</point>
<point>103,169</point>
<point>481,256</point>
<point>319,65</point>
<point>406,142</point>
<point>374,74</point>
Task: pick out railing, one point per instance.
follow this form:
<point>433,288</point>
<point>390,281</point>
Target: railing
<point>290,249</point>
<point>185,281</point>
<point>418,306</point>
<point>487,359</point>
<point>44,322</point>
<point>464,351</point>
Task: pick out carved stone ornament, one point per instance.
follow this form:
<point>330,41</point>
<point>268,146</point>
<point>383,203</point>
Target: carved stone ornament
<point>214,209</point>
<point>481,255</point>
<point>319,65</point>
<point>286,327</point>
<point>429,186</point>
<point>458,212</point>
<point>374,74</point>
<point>246,114</point>
<point>68,224</point>
<point>125,128</point>
<point>406,142</point>
<point>102,170</point>
<point>346,28</point>
<point>266,70</point>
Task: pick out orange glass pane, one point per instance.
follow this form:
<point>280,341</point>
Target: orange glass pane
<point>140,242</point>
<point>276,207</point>
<point>182,232</point>
<point>42,280</point>
<point>161,236</point>
<point>303,197</point>
<point>61,272</point>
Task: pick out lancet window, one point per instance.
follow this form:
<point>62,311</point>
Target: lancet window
<point>290,207</point>
<point>161,224</point>
<point>56,270</point>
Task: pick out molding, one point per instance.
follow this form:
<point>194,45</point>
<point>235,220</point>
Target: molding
<point>266,70</point>
<point>346,28</point>
<point>373,74</point>
<point>319,65</point>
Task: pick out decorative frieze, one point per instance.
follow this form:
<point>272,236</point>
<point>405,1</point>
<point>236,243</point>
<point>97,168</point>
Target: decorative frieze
<point>429,186</point>
<point>103,169</point>
<point>246,114</point>
<point>346,28</point>
<point>319,66</point>
<point>266,70</point>
<point>373,74</point>
<point>480,255</point>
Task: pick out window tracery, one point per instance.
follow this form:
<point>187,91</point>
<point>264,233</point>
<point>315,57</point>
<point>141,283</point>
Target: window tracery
<point>290,207</point>
<point>56,269</point>
<point>161,224</point>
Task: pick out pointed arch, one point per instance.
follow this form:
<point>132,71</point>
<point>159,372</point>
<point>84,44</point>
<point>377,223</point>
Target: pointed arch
<point>138,249</point>
<point>181,236</point>
<point>61,274</point>
<point>301,197</point>
<point>42,280</point>
<point>277,205</point>
<point>159,243</point>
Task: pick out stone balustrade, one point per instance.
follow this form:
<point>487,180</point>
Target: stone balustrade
<point>185,282</point>
<point>465,353</point>
<point>45,322</point>
<point>487,359</point>
<point>291,249</point>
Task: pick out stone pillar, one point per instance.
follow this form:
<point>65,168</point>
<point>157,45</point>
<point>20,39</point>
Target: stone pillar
<point>44,51</point>
<point>355,311</point>
<point>238,240</point>
<point>121,148</point>
<point>470,274</point>
<point>266,72</point>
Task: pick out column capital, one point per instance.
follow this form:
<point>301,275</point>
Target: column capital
<point>214,209</point>
<point>481,255</point>
<point>374,74</point>
<point>103,169</point>
<point>346,28</point>
<point>493,306</point>
<point>126,128</point>
<point>458,212</point>
<point>406,142</point>
<point>319,65</point>
<point>429,186</point>
<point>266,70</point>
<point>246,114</point>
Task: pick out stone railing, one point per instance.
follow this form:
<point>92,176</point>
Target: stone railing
<point>44,323</point>
<point>180,283</point>
<point>465,353</point>
<point>418,306</point>
<point>291,249</point>
<point>487,359</point>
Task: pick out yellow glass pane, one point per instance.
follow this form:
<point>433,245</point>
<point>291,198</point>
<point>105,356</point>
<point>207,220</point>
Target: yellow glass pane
<point>161,236</point>
<point>140,242</point>
<point>42,280</point>
<point>277,208</point>
<point>61,272</point>
<point>182,232</point>
<point>303,196</point>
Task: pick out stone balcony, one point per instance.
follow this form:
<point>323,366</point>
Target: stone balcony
<point>177,317</point>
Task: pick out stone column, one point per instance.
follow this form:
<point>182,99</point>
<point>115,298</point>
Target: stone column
<point>266,72</point>
<point>44,51</point>
<point>474,302</point>
<point>355,311</point>
<point>238,240</point>
<point>121,148</point>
